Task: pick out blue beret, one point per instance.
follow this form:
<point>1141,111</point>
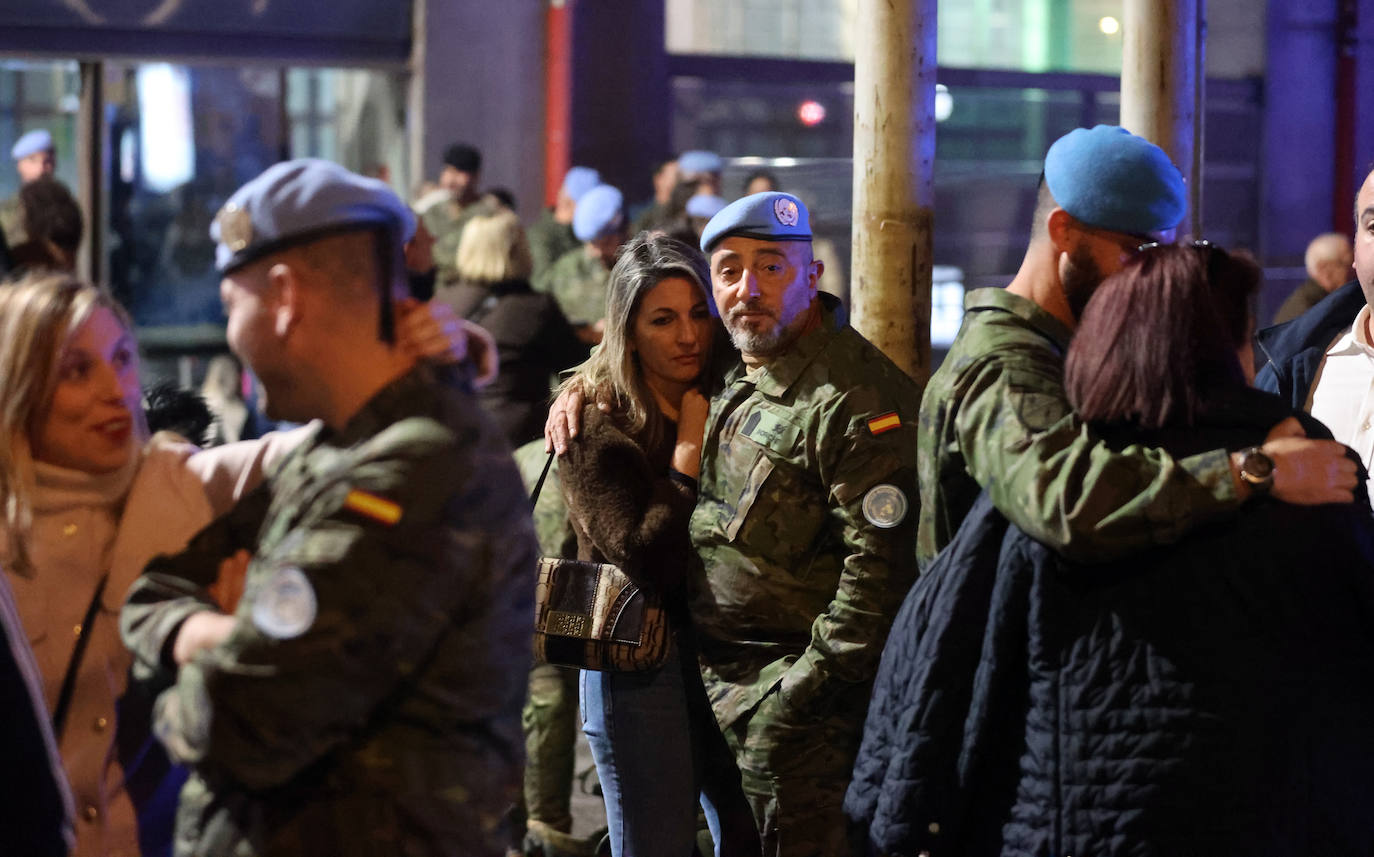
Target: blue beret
<point>1109,178</point>
<point>298,201</point>
<point>597,213</point>
<point>705,205</point>
<point>698,161</point>
<point>769,216</point>
<point>31,144</point>
<point>579,180</point>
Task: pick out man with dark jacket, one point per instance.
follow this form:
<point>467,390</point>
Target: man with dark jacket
<point>1327,260</point>
<point>1320,362</point>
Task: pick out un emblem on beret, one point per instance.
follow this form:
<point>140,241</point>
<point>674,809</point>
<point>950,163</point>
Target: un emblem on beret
<point>235,227</point>
<point>785,210</point>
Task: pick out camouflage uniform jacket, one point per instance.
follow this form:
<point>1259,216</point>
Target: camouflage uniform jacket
<point>549,240</point>
<point>12,221</point>
<point>996,417</point>
<point>551,524</point>
<point>578,282</point>
<point>445,221</point>
<point>368,699</point>
<point>800,459</point>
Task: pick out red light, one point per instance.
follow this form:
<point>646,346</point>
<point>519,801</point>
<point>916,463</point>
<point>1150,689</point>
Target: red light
<point>811,113</point>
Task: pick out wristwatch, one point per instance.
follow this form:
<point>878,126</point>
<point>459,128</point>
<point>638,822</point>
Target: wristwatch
<point>1257,469</point>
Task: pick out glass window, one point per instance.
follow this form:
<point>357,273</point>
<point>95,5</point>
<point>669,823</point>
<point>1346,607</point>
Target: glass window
<point>37,95</point>
<point>186,137</point>
<point>1019,35</point>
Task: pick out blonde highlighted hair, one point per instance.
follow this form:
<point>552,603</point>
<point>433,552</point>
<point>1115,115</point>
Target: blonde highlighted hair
<point>39,314</point>
<point>494,248</point>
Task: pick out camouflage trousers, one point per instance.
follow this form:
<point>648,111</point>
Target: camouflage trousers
<point>551,724</point>
<point>795,775</point>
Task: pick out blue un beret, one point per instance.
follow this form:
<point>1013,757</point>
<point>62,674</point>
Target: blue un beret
<point>298,201</point>
<point>31,144</point>
<point>597,213</point>
<point>705,205</point>
<point>699,161</point>
<point>769,216</point>
<point>1109,178</point>
<point>579,180</point>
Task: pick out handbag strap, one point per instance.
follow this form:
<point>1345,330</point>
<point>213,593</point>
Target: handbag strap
<point>64,697</point>
<point>539,486</point>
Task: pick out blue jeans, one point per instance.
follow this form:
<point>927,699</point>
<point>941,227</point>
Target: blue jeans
<point>657,746</point>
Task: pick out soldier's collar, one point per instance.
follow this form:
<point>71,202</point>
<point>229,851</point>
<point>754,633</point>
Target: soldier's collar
<point>1005,301</point>
<point>380,410</point>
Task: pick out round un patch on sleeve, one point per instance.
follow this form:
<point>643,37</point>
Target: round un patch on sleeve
<point>885,506</point>
<point>287,606</point>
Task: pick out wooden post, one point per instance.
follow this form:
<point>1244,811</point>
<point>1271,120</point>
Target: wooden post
<point>894,155</point>
<point>1160,81</point>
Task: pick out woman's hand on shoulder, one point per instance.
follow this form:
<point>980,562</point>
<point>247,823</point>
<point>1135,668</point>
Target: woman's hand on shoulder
<point>565,414</point>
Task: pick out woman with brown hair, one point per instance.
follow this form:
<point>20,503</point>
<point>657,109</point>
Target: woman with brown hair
<point>630,481</point>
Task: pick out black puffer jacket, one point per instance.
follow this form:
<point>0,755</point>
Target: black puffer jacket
<point>1210,698</point>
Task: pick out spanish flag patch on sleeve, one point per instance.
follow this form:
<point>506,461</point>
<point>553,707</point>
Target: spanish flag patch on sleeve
<point>374,507</point>
<point>886,422</point>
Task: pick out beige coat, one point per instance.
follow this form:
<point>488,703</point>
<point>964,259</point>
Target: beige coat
<point>172,492</point>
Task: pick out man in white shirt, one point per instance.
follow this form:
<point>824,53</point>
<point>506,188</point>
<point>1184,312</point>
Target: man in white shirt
<point>1323,361</point>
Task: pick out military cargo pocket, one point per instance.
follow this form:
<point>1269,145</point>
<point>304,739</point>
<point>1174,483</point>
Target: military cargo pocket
<point>758,475</point>
<point>778,514</point>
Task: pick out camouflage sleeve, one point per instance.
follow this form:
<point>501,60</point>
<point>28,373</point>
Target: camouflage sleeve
<point>173,587</point>
<point>282,690</point>
<point>1052,477</point>
<point>879,567</point>
<point>541,249</point>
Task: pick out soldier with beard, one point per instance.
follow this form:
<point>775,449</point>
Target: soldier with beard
<point>995,417</point>
<point>802,524</point>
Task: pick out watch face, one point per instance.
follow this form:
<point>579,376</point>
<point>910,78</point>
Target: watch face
<point>1257,465</point>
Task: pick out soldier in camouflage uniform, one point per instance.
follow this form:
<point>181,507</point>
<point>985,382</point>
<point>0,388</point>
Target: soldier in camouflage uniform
<point>995,416</point>
<point>802,522</point>
<point>578,279</point>
<point>364,696</point>
<point>550,715</point>
<point>552,234</point>
<point>447,210</point>
<point>34,157</point>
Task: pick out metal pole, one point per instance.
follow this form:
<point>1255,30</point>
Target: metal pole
<point>1159,77</point>
<point>894,155</point>
<point>91,172</point>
